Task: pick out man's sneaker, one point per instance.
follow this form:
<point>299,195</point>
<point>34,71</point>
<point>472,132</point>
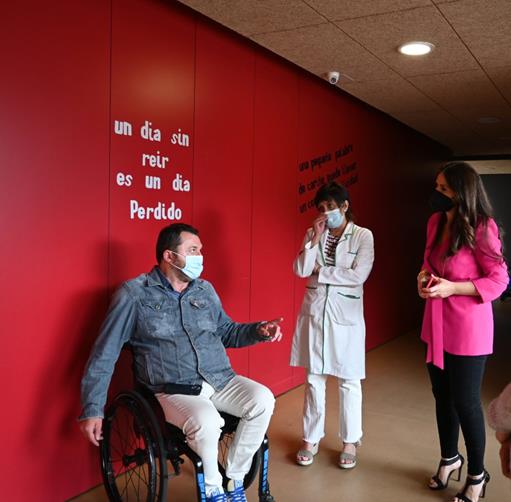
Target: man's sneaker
<point>235,491</point>
<point>216,496</point>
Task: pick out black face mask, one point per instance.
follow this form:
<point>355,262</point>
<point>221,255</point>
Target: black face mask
<point>440,202</point>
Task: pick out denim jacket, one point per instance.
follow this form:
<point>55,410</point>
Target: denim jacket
<point>175,339</point>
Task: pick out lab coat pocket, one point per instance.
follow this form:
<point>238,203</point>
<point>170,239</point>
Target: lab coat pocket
<point>313,302</point>
<point>345,308</point>
<point>347,260</point>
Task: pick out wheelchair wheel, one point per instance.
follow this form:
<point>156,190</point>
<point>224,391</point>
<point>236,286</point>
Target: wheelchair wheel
<point>223,450</point>
<point>133,456</point>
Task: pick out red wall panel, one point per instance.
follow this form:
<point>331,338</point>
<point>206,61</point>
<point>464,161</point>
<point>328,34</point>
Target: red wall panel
<point>223,165</point>
<point>391,201</point>
<point>274,216</point>
<point>152,91</point>
<point>53,209</point>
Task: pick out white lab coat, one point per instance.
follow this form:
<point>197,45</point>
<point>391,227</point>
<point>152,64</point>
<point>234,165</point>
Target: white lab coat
<point>329,336</point>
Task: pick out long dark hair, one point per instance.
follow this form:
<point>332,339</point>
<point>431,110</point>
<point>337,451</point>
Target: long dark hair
<point>473,207</point>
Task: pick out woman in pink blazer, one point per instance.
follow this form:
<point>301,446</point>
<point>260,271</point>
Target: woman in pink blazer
<point>463,271</point>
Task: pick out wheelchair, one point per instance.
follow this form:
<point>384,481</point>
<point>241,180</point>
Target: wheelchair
<point>140,452</point>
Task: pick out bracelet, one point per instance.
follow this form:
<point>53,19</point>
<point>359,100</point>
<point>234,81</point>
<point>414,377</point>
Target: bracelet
<point>421,274</point>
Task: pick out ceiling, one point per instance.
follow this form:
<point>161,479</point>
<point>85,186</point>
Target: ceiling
<point>459,94</point>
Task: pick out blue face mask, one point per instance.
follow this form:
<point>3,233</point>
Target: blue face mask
<point>334,218</point>
<point>193,265</point>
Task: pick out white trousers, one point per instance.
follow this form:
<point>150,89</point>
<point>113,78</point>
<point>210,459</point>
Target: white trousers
<point>198,418</point>
<point>350,409</point>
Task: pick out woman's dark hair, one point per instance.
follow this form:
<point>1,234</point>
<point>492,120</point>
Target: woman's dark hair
<point>472,204</point>
<point>170,238</point>
<point>336,192</point>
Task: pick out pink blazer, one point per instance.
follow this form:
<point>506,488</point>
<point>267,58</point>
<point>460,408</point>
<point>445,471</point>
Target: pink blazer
<point>463,325</point>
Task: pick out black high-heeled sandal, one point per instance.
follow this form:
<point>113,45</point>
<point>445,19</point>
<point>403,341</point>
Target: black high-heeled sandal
<point>445,463</point>
<point>485,479</point>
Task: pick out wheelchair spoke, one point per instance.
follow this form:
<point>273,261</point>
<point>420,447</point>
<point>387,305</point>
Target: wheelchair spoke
<point>118,459</point>
<point>130,480</point>
<point>124,492</point>
<point>115,450</point>
<point>138,443</point>
<point>117,429</point>
<point>133,454</point>
<point>135,472</point>
<point>136,478</point>
<point>223,448</point>
<point>117,463</point>
<point>131,440</point>
<point>119,454</point>
<point>122,424</point>
<point>145,475</point>
<point>138,483</point>
<point>136,456</point>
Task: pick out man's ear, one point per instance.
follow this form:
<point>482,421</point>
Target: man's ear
<point>168,256</point>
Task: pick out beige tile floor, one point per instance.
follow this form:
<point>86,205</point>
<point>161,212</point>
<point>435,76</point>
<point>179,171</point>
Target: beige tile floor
<point>400,447</point>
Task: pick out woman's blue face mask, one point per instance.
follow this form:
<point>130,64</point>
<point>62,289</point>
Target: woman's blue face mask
<point>334,218</point>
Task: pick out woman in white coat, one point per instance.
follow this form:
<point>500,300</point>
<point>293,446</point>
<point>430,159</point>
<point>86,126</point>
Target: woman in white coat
<point>329,339</point>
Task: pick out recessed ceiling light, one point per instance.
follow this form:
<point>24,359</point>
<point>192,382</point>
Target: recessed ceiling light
<point>416,48</point>
<point>488,120</point>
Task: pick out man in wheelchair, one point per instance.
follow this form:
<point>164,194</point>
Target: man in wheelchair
<point>178,332</point>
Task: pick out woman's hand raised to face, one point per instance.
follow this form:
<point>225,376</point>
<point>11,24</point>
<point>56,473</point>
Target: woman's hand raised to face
<point>318,226</point>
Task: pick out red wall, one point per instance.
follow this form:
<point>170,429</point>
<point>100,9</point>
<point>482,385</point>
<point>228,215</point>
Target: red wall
<point>74,68</point>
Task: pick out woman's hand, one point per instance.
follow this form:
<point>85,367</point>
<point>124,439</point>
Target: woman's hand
<point>318,227</point>
<point>440,288</point>
<point>424,279</point>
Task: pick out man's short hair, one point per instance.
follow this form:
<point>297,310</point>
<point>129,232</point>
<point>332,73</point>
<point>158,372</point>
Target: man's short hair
<point>170,238</point>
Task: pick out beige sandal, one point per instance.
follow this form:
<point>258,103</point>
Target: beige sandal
<point>348,460</point>
<point>308,455</point>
